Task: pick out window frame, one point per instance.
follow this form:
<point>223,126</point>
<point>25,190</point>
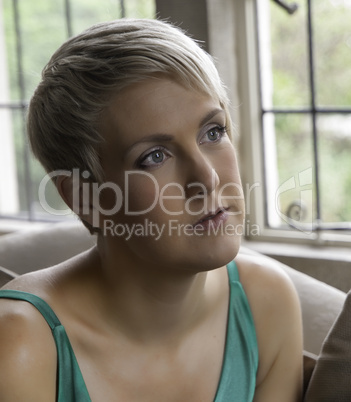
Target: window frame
<point>251,146</point>
<point>11,214</point>
<point>20,106</point>
<point>235,47</point>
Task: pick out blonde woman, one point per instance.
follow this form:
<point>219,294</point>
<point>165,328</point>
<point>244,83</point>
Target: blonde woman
<point>132,123</point>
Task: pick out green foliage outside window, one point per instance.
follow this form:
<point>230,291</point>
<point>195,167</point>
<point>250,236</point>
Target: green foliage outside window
<point>43,27</point>
<point>290,70</point>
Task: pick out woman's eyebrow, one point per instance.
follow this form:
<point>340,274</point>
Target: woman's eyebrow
<point>160,137</point>
<point>152,138</point>
<point>210,115</point>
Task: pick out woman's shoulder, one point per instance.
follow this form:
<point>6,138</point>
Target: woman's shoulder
<point>45,282</point>
<point>28,353</point>
<point>277,317</point>
<point>270,292</point>
<point>27,347</point>
<point>259,274</point>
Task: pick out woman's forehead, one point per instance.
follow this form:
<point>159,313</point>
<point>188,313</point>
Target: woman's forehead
<point>155,106</point>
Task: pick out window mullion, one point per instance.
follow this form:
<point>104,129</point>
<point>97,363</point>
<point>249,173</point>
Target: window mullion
<point>123,8</point>
<point>314,113</point>
<point>20,77</point>
<point>68,17</point>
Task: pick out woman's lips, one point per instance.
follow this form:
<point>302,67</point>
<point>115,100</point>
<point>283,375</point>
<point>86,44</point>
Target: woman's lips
<point>212,220</point>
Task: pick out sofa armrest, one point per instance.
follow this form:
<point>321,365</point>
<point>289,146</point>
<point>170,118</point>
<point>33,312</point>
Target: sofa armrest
<point>6,276</point>
<point>309,363</point>
<point>33,249</point>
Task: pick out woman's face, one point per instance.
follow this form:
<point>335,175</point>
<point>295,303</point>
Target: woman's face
<point>180,200</point>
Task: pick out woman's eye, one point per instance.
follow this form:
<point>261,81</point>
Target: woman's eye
<point>215,134</point>
<point>156,156</point>
<point>153,158</point>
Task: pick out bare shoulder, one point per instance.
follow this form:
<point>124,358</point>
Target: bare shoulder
<point>28,354</point>
<point>277,315</point>
<point>259,274</point>
<point>272,297</point>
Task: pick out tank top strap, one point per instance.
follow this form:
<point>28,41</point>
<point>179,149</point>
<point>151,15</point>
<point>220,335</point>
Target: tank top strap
<point>233,272</point>
<point>70,383</point>
<point>37,302</point>
<point>240,360</point>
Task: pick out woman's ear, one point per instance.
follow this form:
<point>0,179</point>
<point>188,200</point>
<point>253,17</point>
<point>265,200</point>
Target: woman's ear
<point>77,194</point>
<point>65,187</point>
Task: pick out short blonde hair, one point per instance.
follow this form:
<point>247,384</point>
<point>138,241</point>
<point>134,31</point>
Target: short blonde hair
<point>81,77</point>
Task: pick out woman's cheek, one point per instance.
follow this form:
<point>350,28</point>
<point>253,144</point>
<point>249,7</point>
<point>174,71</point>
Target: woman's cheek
<point>141,193</point>
<point>230,188</point>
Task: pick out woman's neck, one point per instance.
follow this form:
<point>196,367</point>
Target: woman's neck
<point>149,302</point>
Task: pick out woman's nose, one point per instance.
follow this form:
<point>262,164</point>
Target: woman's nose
<point>202,177</point>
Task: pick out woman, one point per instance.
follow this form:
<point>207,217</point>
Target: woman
<point>131,120</point>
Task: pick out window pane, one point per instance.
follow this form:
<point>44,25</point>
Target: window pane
<point>29,34</point>
<point>283,55</point>
<point>8,58</point>
<point>88,12</point>
<point>9,202</point>
<point>140,8</point>
<point>41,30</point>
<point>332,48</point>
<point>18,171</point>
<point>290,189</point>
<point>46,202</point>
<point>335,151</point>
<point>31,202</point>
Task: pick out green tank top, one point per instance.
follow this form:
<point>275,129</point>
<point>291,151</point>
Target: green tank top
<point>240,361</point>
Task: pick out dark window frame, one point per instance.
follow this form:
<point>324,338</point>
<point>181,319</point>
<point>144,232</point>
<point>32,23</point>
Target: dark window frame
<point>21,105</point>
<point>313,111</point>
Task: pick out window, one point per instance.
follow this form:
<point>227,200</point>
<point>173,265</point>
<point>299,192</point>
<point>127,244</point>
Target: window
<point>304,117</point>
<point>30,31</point>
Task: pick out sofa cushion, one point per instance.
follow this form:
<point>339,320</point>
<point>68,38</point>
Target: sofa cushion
<point>309,363</point>
<point>6,276</point>
<point>33,249</point>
